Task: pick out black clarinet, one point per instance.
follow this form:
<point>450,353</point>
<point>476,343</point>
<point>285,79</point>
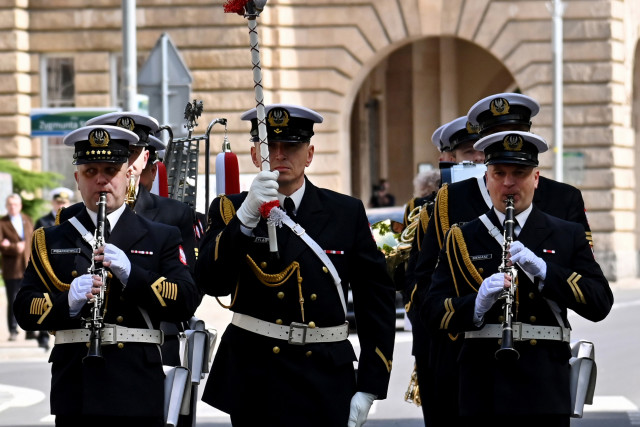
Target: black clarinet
<point>506,350</point>
<point>96,322</point>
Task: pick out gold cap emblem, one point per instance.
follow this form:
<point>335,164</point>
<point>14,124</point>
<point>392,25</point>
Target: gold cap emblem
<point>126,123</point>
<point>499,107</point>
<point>513,142</point>
<point>278,117</point>
<point>99,138</point>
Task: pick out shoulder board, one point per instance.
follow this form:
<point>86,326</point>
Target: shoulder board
<point>227,210</point>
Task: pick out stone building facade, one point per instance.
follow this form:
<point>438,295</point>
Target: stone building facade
<point>383,73</point>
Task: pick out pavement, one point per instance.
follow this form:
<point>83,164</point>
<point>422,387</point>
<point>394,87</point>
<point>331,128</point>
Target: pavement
<point>210,311</point>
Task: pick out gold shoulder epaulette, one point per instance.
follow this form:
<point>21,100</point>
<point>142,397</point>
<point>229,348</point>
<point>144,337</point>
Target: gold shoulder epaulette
<point>41,262</point>
<point>411,204</point>
<point>424,218</point>
<point>462,269</point>
<point>227,211</point>
<point>441,213</point>
<point>57,221</point>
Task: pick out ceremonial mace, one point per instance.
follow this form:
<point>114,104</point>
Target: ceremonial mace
<point>251,9</point>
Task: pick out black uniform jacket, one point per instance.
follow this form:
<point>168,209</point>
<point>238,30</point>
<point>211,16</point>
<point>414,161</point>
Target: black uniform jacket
<point>46,220</point>
<point>314,381</point>
<point>538,383</point>
<point>131,382</point>
<point>157,209</point>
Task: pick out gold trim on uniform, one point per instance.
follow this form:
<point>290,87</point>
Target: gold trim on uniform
<point>227,210</point>
<point>164,290</point>
<point>41,307</point>
<point>407,307</point>
<point>278,279</point>
<point>448,313</point>
<point>40,244</point>
<point>215,252</point>
<point>441,212</point>
<point>573,283</point>
<point>388,363</point>
<point>455,239</point>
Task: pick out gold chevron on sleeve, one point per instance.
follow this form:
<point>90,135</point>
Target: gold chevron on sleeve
<point>386,361</point>
<point>164,290</point>
<point>41,307</point>
<point>573,283</point>
<point>449,310</point>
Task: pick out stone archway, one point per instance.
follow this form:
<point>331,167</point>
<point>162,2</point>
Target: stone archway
<point>405,97</point>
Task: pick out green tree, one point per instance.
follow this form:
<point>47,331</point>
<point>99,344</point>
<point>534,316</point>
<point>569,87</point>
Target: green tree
<point>27,183</point>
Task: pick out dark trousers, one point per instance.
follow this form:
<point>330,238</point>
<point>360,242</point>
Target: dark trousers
<point>102,421</point>
<point>519,420</point>
<point>12,286</point>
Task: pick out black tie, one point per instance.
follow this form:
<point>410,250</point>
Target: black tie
<point>107,229</point>
<point>289,207</point>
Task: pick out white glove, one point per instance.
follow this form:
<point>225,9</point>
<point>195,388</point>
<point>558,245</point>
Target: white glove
<point>117,262</point>
<point>527,260</point>
<point>78,291</point>
<point>264,188</point>
<point>488,294</point>
<point>360,405</point>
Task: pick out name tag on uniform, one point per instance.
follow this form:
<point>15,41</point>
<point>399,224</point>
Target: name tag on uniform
<point>65,251</point>
<point>480,257</point>
<point>261,239</point>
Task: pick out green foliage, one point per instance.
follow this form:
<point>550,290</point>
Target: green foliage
<point>27,183</point>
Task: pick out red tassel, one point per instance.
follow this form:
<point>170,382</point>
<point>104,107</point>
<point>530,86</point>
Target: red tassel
<point>266,207</point>
<point>235,6</point>
<point>232,173</point>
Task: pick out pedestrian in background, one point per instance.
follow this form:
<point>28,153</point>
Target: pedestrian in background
<point>16,229</point>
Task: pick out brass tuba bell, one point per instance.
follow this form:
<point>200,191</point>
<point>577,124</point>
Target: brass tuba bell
<point>130,198</point>
<point>388,237</point>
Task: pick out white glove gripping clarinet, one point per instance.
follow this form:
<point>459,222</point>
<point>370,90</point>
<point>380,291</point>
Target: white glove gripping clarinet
<point>488,294</point>
<point>116,260</point>
<point>527,260</point>
<point>360,405</point>
<point>78,291</point>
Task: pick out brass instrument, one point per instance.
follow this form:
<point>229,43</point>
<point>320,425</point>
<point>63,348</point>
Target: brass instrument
<point>130,198</point>
<point>412,394</point>
<point>506,350</point>
<point>388,236</point>
<point>96,322</point>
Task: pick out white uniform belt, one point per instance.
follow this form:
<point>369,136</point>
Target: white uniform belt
<point>111,334</point>
<point>296,333</point>
<point>523,331</point>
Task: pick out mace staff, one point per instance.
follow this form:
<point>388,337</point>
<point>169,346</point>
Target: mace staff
<point>251,9</point>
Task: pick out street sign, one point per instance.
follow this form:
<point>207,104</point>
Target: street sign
<point>60,121</point>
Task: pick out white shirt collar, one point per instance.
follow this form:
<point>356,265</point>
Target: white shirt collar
<point>521,217</point>
<point>113,217</point>
<point>296,196</point>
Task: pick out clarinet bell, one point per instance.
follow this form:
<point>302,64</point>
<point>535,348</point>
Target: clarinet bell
<point>94,357</point>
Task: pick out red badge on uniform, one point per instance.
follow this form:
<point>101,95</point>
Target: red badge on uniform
<point>182,256</point>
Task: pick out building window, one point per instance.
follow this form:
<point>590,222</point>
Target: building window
<point>60,82</point>
<point>58,91</point>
